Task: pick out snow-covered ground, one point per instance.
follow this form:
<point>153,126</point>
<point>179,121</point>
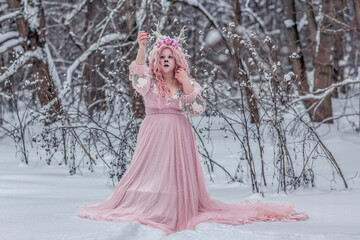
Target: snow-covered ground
<point>39,202</point>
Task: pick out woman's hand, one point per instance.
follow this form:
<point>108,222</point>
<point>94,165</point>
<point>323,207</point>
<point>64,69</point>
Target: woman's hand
<point>181,75</point>
<point>142,36</point>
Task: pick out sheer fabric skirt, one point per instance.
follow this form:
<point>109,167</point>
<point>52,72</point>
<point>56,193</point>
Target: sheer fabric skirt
<point>164,185</point>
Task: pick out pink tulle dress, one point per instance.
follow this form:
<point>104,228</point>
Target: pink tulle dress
<point>164,185</point>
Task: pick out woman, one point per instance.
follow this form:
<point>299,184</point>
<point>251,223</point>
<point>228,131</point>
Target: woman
<point>164,185</point>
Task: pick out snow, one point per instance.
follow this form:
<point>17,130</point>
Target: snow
<point>19,62</point>
<point>289,23</point>
<point>52,67</point>
<point>10,15</point>
<point>8,35</point>
<point>38,201</point>
<point>289,76</point>
<point>322,93</point>
<point>303,22</point>
<point>32,15</point>
<point>10,44</point>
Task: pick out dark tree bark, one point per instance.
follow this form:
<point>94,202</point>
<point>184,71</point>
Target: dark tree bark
<point>95,94</point>
<point>312,27</point>
<point>39,70</point>
<point>338,72</point>
<point>357,14</point>
<point>357,22</point>
<point>323,69</point>
<point>138,106</point>
<point>298,63</point>
<point>251,100</point>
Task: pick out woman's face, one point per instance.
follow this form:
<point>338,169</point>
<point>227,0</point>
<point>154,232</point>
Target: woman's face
<point>167,61</point>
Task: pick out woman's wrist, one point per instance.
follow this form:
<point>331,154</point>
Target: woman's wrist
<point>140,58</point>
<point>188,87</point>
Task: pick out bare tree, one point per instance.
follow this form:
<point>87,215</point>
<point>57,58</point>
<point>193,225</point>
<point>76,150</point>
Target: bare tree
<point>338,71</point>
<point>35,53</point>
<point>312,26</point>
<point>357,21</point>
<point>297,58</point>
<point>323,71</point>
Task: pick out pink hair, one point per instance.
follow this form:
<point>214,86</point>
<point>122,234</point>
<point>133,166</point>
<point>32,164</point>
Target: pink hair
<point>154,66</point>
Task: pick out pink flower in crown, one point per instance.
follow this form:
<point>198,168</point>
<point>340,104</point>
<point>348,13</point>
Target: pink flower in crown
<point>168,40</point>
<point>159,43</point>
<point>175,44</point>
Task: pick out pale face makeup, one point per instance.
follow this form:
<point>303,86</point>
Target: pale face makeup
<point>167,61</point>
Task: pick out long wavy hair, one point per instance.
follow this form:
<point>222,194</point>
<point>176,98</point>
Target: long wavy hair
<point>155,64</point>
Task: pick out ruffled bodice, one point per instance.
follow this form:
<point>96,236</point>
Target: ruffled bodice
<point>180,103</point>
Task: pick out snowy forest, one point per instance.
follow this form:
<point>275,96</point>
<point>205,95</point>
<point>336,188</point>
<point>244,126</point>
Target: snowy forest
<point>280,78</point>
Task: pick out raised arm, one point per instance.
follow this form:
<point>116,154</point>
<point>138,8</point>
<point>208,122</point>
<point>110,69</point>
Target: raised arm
<point>193,102</point>
<point>138,69</point>
<point>140,58</point>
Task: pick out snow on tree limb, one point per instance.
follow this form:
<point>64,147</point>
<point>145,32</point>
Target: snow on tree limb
<point>322,93</point>
<point>10,44</point>
<point>52,68</point>
<point>102,25</point>
<point>261,23</point>
<point>8,35</point>
<point>10,15</point>
<point>69,17</point>
<point>19,62</point>
<point>82,58</point>
<point>2,94</point>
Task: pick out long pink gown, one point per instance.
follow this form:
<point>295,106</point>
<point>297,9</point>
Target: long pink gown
<point>164,185</point>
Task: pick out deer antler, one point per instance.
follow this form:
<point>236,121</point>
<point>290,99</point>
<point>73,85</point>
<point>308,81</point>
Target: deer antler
<point>157,32</point>
<point>181,36</point>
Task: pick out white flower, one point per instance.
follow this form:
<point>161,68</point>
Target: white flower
<point>141,82</point>
<point>197,107</point>
<point>154,88</point>
<point>181,105</point>
<point>176,95</point>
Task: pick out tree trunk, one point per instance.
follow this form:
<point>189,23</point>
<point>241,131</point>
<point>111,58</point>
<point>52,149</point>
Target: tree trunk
<point>357,21</point>
<point>251,100</point>
<point>294,45</point>
<point>95,94</point>
<point>138,106</point>
<point>312,28</point>
<point>1,89</point>
<point>323,69</point>
<point>39,70</point>
<point>338,72</point>
<point>357,14</point>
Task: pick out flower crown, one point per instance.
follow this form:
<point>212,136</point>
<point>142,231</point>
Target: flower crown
<point>168,41</point>
<point>174,42</point>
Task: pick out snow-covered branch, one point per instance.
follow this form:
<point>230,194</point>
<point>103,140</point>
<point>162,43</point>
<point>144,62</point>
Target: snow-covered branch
<point>9,40</point>
<point>8,35</point>
<point>52,68</point>
<point>10,15</point>
<point>106,20</point>
<point>322,93</point>
<point>70,16</point>
<point>19,62</point>
<point>10,44</point>
<point>261,23</point>
<point>82,58</point>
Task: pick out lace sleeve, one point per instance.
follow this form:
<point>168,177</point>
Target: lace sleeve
<point>139,78</point>
<point>193,103</point>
